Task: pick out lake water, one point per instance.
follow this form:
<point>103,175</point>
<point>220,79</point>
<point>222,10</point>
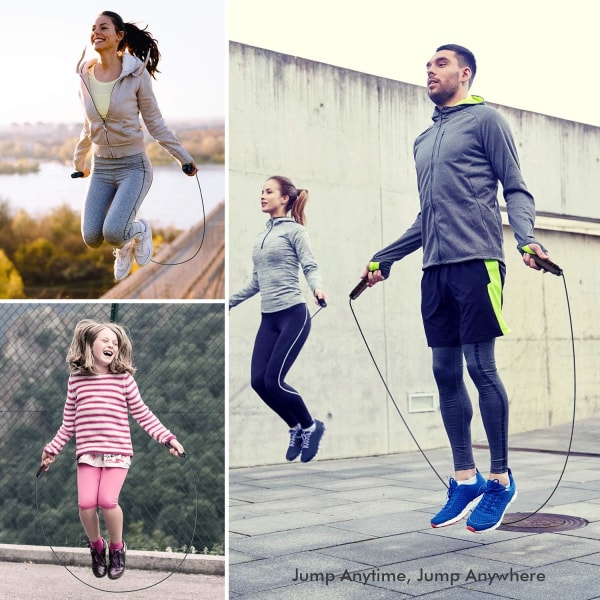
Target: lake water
<point>173,199</point>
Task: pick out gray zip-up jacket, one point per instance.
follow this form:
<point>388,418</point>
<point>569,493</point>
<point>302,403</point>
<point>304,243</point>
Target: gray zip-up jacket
<point>459,161</point>
<point>278,253</point>
<point>121,134</point>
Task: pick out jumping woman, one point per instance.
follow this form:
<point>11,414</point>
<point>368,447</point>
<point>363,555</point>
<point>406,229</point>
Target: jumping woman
<point>100,393</point>
<point>279,252</point>
<point>115,89</point>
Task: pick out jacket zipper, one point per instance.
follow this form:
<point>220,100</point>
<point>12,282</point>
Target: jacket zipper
<point>436,144</point>
<point>98,112</point>
<point>266,235</point>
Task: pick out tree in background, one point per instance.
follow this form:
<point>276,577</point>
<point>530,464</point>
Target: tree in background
<point>11,284</point>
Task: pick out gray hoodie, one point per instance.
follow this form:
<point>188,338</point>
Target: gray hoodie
<point>121,134</point>
<point>459,161</point>
<point>278,253</point>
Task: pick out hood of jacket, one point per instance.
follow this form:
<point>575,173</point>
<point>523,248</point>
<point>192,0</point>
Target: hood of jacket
<point>131,65</point>
<point>438,113</point>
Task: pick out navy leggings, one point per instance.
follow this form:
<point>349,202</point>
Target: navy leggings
<point>279,340</point>
<point>456,407</point>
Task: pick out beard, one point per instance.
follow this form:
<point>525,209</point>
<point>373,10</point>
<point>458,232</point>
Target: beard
<point>443,92</point>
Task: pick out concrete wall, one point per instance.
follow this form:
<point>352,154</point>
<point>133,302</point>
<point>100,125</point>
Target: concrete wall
<point>347,137</point>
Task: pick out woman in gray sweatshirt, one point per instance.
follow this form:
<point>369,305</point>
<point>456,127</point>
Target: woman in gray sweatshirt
<point>278,254</point>
<point>116,88</point>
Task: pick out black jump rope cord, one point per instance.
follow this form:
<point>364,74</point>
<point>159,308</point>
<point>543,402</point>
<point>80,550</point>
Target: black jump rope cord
<point>60,562</point>
<point>550,267</point>
<point>203,228</point>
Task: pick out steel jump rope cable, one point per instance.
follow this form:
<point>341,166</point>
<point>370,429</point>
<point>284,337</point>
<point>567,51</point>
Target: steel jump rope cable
<point>547,266</point>
<point>61,562</point>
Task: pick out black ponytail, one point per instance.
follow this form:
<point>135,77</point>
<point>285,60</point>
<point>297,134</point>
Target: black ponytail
<point>139,42</point>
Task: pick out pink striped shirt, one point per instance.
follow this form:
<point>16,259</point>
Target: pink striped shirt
<point>96,412</point>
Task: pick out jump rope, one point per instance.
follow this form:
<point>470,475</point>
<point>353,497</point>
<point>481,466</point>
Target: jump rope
<point>544,264</point>
<point>188,169</point>
<point>38,474</point>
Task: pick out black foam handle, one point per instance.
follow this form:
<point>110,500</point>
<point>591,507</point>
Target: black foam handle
<point>188,168</point>
<point>547,265</point>
<point>76,174</point>
<point>40,471</point>
<point>359,289</point>
<point>322,302</point>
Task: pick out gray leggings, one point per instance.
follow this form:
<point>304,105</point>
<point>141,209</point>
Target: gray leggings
<point>117,188</point>
<point>455,404</point>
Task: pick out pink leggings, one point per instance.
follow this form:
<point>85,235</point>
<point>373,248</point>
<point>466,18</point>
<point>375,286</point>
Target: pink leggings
<point>99,486</point>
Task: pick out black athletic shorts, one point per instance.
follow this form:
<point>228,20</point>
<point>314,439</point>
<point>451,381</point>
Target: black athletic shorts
<point>461,303</point>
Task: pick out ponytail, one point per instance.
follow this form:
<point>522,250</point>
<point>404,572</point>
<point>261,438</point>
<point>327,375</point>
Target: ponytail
<point>297,198</point>
<point>298,207</point>
<point>139,42</point>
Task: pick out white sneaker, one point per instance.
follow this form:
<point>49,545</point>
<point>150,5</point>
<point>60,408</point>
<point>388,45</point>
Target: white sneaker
<point>142,242</point>
<point>123,261</point>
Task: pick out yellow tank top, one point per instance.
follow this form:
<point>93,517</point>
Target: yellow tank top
<point>100,91</point>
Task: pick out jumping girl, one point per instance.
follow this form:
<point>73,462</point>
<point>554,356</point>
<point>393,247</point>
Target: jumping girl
<point>100,392</point>
<point>115,88</point>
<point>279,251</point>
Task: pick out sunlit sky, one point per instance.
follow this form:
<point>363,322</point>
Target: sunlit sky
<point>532,54</point>
<point>41,42</point>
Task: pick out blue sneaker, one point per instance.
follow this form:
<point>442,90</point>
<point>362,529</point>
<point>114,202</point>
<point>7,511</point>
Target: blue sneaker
<point>461,499</point>
<point>295,448</point>
<point>311,441</point>
<point>490,511</point>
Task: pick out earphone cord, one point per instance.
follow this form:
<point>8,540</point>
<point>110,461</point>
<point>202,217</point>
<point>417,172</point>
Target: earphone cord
<point>173,264</point>
<point>60,562</point>
<point>417,443</point>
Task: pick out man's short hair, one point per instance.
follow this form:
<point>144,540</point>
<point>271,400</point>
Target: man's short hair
<point>465,57</point>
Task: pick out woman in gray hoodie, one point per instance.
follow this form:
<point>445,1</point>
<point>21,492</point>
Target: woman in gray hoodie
<point>278,254</point>
<point>116,88</point>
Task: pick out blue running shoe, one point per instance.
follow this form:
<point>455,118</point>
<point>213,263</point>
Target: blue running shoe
<point>489,513</point>
<point>461,499</point>
<point>311,441</point>
<point>295,448</point>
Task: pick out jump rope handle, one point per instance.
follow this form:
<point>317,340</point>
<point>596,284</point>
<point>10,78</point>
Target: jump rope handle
<point>188,168</point>
<point>322,302</point>
<point>547,265</point>
<point>40,471</point>
<point>76,174</point>
<point>169,446</point>
<point>362,285</point>
<point>359,289</point>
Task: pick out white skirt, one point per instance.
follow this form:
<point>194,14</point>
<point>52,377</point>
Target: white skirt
<point>105,460</point>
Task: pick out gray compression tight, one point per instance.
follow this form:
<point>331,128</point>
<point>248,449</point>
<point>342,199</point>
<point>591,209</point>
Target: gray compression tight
<point>456,407</point>
<point>117,189</point>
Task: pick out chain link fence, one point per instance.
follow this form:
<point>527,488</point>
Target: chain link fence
<point>179,352</point>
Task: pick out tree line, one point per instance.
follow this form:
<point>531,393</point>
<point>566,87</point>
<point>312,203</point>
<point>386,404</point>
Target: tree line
<point>22,148</point>
<point>45,257</point>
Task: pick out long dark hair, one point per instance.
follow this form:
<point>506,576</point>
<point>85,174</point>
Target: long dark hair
<point>297,198</point>
<point>138,41</point>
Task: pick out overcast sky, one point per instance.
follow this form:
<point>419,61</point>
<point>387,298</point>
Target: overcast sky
<point>532,54</point>
<point>41,42</point>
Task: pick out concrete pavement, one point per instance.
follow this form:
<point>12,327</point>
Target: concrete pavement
<point>33,572</point>
<point>29,581</point>
<point>359,528</point>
